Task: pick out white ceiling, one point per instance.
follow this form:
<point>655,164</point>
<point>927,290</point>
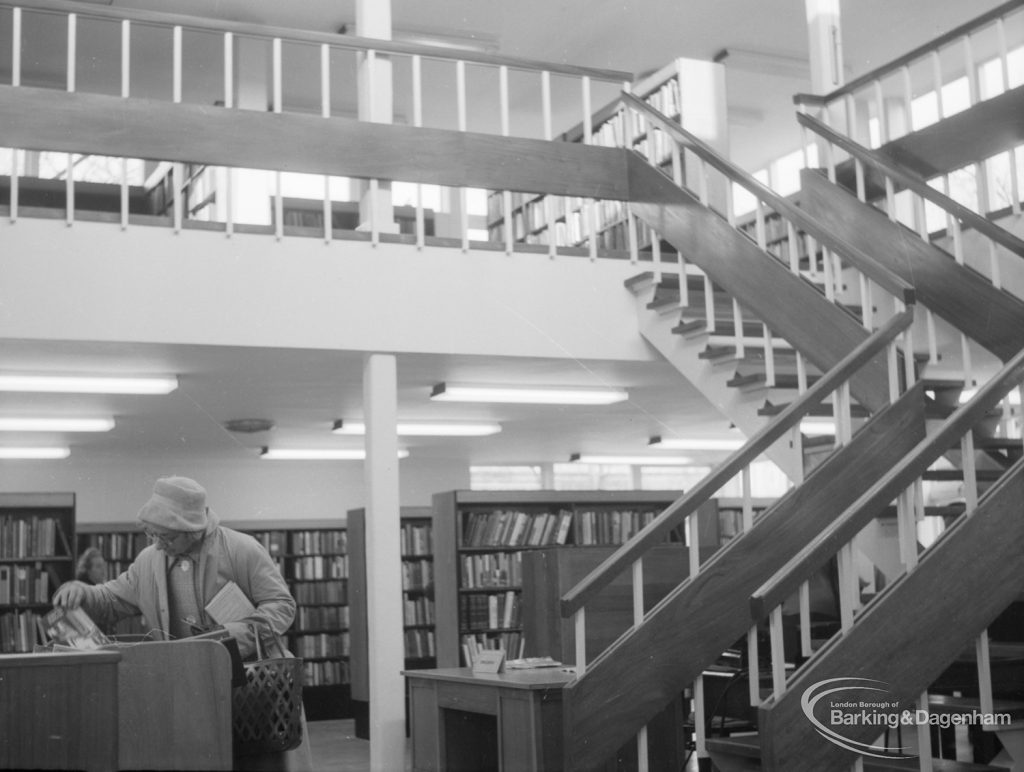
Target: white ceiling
<point>305,391</point>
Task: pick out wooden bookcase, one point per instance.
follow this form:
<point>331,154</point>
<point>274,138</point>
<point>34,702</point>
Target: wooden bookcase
<point>477,557</point>
<point>37,535</point>
<point>312,556</point>
<point>417,602</point>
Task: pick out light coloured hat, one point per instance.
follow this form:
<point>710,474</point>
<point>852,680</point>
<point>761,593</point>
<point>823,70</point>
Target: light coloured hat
<point>177,504</point>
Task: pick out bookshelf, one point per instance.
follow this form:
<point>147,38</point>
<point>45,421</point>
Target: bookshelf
<point>417,600</point>
<point>537,219</point>
<point>120,544</point>
<point>37,531</point>
<point>479,544</point>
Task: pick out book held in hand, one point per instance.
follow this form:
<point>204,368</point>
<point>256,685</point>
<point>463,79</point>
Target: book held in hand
<point>74,628</point>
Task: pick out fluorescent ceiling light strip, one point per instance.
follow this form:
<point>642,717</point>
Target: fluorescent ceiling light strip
<point>35,454</point>
<point>534,395</point>
<point>89,384</point>
<point>679,443</point>
<point>319,454</point>
<point>56,424</point>
<point>584,458</point>
<point>425,428</point>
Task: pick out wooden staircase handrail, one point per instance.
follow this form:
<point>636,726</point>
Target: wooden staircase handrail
<point>872,268</point>
<point>350,42</point>
<point>915,182</point>
<point>655,533</point>
<point>811,558</point>
<point>915,53</point>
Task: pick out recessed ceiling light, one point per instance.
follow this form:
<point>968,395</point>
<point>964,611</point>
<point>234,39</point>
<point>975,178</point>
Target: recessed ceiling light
<point>679,443</point>
<point>584,458</point>
<point>34,454</point>
<point>319,454</point>
<point>425,428</point>
<point>814,428</point>
<point>531,395</point>
<point>56,424</point>
<point>89,384</point>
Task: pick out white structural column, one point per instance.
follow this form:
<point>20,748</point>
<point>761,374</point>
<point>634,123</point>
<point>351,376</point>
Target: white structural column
<point>702,105</point>
<point>376,103</point>
<point>826,45</point>
<point>383,565</point>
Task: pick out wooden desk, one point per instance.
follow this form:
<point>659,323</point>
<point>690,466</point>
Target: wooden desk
<point>466,721</point>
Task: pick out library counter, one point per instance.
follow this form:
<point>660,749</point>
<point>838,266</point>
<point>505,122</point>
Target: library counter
<point>461,720</point>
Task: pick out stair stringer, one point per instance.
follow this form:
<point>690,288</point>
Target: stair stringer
<point>993,318</point>
<point>710,378</point>
<point>912,631</point>
<point>624,688</point>
<point>820,331</point>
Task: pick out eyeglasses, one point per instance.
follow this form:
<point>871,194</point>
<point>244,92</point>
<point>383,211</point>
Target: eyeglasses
<point>163,538</point>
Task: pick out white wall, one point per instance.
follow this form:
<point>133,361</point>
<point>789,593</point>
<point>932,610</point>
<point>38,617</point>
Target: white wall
<point>113,489</point>
<point>95,282</point>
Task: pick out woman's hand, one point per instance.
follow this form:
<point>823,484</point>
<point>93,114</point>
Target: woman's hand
<point>70,594</point>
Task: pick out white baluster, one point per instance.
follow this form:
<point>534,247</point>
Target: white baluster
<point>778,651</point>
<point>970,470</point>
<point>178,168</point>
<point>277,107</point>
<point>229,103</point>
<point>325,112</point>
<point>804,600</point>
<point>69,183</point>
<point>549,204</point>
<point>15,81</point>
<point>126,47</point>
<point>588,139</point>
<point>769,356</point>
<point>460,83</point>
<point>580,622</point>
<point>753,668</point>
<point>417,122</point>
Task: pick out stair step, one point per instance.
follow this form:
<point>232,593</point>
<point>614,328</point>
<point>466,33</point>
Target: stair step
<point>819,411</point>
<point>956,475</point>
<point>749,747</point>
<point>946,704</point>
<point>743,381</point>
<point>692,327</point>
<point>714,353</point>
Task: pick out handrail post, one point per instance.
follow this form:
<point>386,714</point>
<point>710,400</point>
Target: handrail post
<point>580,625</point>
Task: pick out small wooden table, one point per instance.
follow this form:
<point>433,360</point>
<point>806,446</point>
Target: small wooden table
<point>462,720</point>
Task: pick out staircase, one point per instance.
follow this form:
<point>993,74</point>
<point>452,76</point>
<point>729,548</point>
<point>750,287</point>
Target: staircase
<point>915,628</point>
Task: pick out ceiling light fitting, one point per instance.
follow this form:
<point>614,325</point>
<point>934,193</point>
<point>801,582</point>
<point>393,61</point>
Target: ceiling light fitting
<point>679,443</point>
<point>89,384</point>
<point>34,454</point>
<point>583,458</point>
<point>56,424</point>
<point>319,454</point>
<point>528,395</point>
<point>424,428</point>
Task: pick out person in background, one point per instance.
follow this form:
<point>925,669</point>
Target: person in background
<point>92,568</point>
<point>190,558</point>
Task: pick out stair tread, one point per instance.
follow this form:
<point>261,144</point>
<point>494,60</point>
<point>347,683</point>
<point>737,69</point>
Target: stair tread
<point>769,408</point>
<point>985,475</point>
<point>944,703</point>
<point>749,746</point>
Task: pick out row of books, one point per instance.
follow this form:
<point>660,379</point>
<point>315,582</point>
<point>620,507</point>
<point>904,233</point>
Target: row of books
<point>508,528</point>
<point>492,569</point>
<point>315,617</point>
<point>419,644</point>
<point>322,645</point>
<point>320,567</point>
<point>512,643</point>
<point>26,584</point>
<point>610,526</point>
<point>325,673</point>
<point>19,631</point>
<point>418,611</point>
<point>321,592</point>
<point>416,539</point>
<point>319,542</point>
<point>490,612</point>
<point>121,547</point>
<point>35,537</point>
<point>418,575</point>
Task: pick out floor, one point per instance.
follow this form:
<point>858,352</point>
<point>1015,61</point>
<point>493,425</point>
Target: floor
<point>334,746</point>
